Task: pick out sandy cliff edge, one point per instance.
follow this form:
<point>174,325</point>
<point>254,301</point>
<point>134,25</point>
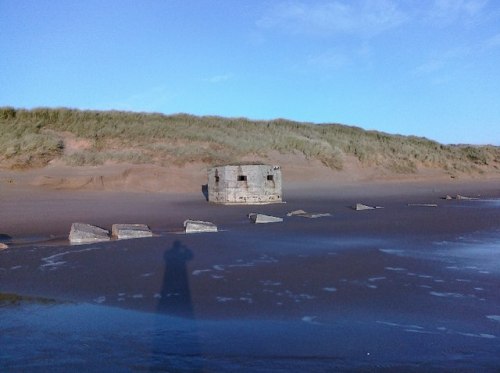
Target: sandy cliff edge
<point>298,172</point>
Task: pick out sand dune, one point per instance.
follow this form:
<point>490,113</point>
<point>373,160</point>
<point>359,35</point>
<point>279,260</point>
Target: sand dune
<point>298,171</point>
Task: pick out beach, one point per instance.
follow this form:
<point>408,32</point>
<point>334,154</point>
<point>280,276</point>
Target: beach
<point>409,286</point>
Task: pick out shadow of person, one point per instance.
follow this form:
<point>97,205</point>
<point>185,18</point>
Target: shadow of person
<point>176,342</point>
<point>175,293</point>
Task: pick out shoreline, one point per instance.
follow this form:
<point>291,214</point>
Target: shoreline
<point>241,245</point>
<point>30,210</point>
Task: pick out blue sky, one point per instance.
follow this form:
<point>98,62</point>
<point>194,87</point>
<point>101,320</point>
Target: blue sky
<point>414,67</point>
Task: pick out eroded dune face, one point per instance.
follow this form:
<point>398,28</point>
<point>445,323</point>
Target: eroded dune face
<point>132,178</point>
<point>298,173</point>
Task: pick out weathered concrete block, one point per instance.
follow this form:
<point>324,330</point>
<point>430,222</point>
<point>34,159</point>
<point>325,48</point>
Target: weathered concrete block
<point>86,233</point>
<point>310,215</point>
<point>315,215</point>
<point>262,219</point>
<point>198,226</point>
<point>296,212</point>
<point>361,207</point>
<point>465,197</point>
<point>126,231</point>
<point>459,197</point>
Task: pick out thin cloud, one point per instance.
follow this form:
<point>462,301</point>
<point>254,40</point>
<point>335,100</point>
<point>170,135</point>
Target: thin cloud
<point>219,78</point>
<point>492,43</point>
<point>365,18</point>
<point>445,12</point>
<point>430,66</point>
<point>443,60</point>
<point>327,61</point>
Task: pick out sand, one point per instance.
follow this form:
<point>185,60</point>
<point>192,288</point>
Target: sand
<point>41,202</point>
<point>403,287</point>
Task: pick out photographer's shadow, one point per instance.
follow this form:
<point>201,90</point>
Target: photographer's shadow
<point>183,354</point>
<point>175,293</point>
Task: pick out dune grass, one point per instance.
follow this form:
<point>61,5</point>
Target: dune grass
<point>32,138</point>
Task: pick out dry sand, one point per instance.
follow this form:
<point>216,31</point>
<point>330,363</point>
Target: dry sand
<point>46,201</point>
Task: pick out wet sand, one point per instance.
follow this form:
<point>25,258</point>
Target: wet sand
<point>403,287</point>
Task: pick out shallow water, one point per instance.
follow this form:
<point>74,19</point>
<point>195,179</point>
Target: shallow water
<point>300,296</point>
<point>102,338</point>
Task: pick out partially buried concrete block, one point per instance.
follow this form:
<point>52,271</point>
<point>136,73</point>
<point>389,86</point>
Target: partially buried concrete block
<point>310,215</point>
<point>198,226</point>
<point>465,197</point>
<point>126,231</point>
<point>86,233</point>
<point>296,212</point>
<point>361,207</point>
<point>459,197</point>
<point>261,218</point>
<point>315,215</point>
<point>422,205</point>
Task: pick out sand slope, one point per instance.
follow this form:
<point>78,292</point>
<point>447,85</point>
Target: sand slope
<point>297,171</point>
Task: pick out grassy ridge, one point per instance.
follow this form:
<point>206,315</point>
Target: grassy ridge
<point>31,138</point>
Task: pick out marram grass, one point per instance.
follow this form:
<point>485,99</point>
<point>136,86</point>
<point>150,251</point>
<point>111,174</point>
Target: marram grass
<point>32,138</point>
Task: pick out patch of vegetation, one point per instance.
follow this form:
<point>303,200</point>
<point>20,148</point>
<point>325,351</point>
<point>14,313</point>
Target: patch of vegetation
<point>32,138</point>
<point>9,299</point>
<point>25,144</point>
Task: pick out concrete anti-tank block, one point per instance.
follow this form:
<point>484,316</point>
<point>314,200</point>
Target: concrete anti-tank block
<point>127,231</point>
<point>262,219</point>
<point>86,233</point>
<point>198,226</point>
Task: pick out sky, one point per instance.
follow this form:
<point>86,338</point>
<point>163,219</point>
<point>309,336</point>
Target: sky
<point>428,68</point>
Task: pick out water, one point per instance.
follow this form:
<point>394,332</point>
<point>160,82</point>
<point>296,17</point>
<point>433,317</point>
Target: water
<point>97,338</point>
<point>265,299</point>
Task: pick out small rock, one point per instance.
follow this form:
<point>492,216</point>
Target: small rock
<point>262,219</point>
<point>126,231</point>
<point>3,246</point>
<point>361,207</point>
<point>86,233</point>
<point>198,226</point>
